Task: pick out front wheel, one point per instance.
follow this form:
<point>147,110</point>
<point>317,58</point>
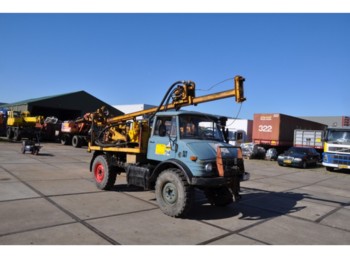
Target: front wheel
<point>103,172</point>
<point>174,195</point>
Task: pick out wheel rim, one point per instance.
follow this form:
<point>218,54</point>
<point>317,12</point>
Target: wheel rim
<point>170,193</point>
<point>99,172</point>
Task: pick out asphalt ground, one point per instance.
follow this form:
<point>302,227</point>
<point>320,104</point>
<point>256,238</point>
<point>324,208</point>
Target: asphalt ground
<point>51,199</point>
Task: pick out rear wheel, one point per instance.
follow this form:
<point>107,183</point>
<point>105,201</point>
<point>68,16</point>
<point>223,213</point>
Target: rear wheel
<point>16,134</point>
<point>65,140</point>
<point>329,168</point>
<point>104,173</point>
<point>9,133</point>
<point>76,141</point>
<point>174,195</point>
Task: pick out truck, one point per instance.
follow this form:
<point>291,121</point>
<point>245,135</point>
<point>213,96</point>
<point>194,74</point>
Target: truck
<point>274,130</point>
<point>336,153</point>
<point>22,124</point>
<point>308,138</point>
<point>239,131</point>
<point>171,151</point>
<point>75,132</point>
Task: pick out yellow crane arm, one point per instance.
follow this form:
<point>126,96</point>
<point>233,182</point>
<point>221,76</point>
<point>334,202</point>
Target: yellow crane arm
<point>188,98</point>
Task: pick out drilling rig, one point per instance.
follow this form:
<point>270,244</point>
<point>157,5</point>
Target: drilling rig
<point>171,151</point>
<point>22,124</point>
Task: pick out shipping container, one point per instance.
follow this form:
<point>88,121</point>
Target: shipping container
<point>277,130</point>
<point>308,138</point>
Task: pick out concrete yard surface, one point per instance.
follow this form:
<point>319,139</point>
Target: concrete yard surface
<point>51,199</point>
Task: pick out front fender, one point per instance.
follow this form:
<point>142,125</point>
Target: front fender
<point>171,163</point>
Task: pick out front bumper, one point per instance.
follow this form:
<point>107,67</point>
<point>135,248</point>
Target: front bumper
<point>336,165</point>
<point>216,181</point>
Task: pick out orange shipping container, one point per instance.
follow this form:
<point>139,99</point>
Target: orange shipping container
<point>278,129</point>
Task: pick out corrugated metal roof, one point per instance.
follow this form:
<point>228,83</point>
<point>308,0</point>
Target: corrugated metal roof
<point>24,102</point>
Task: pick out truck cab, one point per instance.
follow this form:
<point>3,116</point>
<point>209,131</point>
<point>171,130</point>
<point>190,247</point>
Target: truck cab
<point>236,137</point>
<point>190,138</point>
<point>336,153</point>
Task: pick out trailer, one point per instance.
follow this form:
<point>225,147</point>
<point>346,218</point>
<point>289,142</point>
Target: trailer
<point>274,130</point>
<point>308,138</point>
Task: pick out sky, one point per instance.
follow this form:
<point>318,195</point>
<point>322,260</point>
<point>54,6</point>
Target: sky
<point>293,63</point>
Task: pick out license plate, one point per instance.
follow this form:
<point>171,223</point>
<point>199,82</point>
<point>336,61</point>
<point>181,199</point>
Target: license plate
<point>287,161</point>
<point>343,166</point>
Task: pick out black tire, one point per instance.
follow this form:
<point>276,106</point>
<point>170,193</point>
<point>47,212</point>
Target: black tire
<point>174,195</point>
<point>23,149</point>
<point>221,196</point>
<point>304,165</point>
<point>76,141</point>
<point>330,169</point>
<point>9,133</point>
<point>16,134</point>
<point>104,174</point>
<point>65,140</point>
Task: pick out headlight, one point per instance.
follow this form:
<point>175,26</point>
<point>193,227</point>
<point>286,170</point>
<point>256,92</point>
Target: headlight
<point>297,159</point>
<point>208,167</point>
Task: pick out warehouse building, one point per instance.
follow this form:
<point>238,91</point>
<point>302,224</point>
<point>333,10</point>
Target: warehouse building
<point>330,121</point>
<point>65,106</point>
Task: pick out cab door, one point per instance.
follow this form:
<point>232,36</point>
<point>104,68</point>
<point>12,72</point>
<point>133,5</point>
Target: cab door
<point>161,145</point>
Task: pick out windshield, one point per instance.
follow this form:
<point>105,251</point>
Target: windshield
<point>199,127</point>
<point>338,136</point>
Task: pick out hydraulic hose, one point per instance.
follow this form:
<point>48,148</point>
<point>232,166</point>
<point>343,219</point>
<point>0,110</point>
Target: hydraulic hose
<point>165,97</point>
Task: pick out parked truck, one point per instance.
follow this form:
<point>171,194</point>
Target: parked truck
<point>336,149</point>
<point>75,132</point>
<point>22,125</point>
<point>277,130</point>
<point>239,131</point>
<point>171,151</point>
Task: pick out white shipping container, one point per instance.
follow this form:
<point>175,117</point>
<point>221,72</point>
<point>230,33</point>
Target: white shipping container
<point>308,138</point>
